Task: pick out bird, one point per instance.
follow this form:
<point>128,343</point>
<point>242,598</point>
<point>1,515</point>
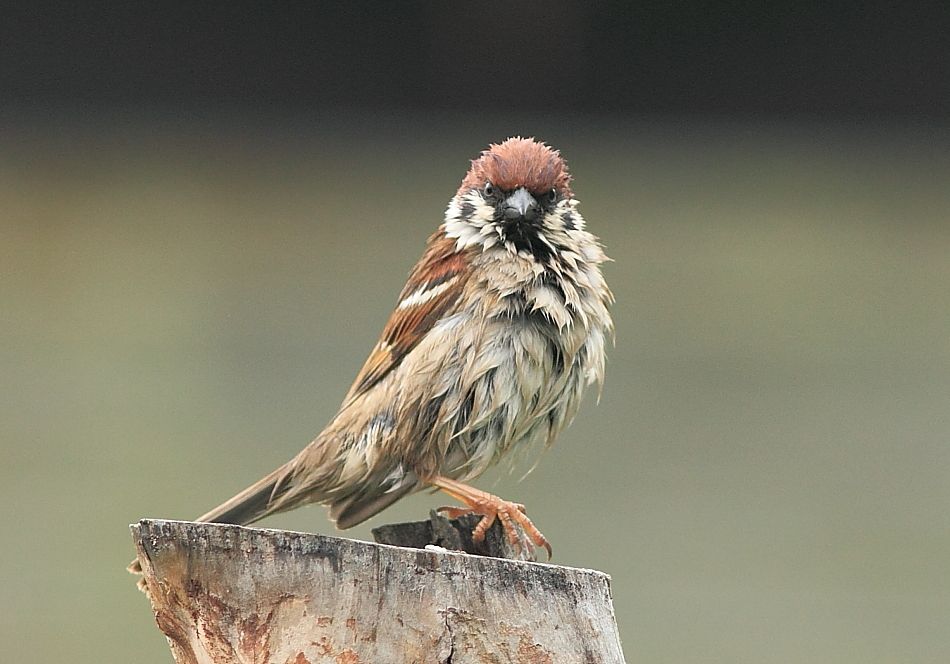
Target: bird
<point>502,325</point>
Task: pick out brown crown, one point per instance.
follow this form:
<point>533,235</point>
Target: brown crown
<point>519,162</point>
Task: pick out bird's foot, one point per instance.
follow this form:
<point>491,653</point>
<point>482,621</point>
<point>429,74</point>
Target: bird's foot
<point>514,521</point>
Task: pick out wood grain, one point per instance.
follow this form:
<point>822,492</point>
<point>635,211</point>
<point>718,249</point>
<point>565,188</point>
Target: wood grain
<point>228,594</point>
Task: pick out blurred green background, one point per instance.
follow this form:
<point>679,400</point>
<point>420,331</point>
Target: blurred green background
<point>765,477</point>
<point>207,211</point>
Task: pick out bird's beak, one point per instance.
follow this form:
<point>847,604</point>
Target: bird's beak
<point>521,205</point>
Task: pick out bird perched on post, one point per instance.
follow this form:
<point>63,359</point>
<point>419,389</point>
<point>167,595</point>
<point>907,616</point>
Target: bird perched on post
<point>501,326</point>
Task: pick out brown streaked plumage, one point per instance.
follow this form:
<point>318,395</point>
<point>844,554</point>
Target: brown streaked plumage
<point>440,264</point>
<point>500,327</point>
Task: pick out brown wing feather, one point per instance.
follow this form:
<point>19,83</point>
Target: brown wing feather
<point>436,281</point>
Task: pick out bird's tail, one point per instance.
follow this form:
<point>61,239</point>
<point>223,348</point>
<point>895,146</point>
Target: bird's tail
<point>254,503</point>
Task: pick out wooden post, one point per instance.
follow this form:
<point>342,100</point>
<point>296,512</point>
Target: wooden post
<point>225,594</point>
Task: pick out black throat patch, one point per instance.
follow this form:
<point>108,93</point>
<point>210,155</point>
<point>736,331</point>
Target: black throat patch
<point>526,236</point>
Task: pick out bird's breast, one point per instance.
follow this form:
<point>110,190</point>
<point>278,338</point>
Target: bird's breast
<point>521,360</point>
<point>506,368</point>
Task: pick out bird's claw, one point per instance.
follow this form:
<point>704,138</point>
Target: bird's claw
<point>514,521</point>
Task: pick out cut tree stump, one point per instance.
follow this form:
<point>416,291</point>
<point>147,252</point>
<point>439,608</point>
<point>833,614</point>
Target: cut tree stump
<point>227,594</point>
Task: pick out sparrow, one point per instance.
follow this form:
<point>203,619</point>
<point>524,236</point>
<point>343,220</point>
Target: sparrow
<point>499,329</point>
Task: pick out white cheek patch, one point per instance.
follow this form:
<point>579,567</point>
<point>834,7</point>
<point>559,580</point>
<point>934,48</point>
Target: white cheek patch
<point>474,226</point>
<point>453,211</point>
<point>425,293</point>
<point>568,210</point>
<point>484,213</point>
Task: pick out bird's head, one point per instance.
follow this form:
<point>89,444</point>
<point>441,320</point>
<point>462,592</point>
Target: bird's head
<point>517,194</point>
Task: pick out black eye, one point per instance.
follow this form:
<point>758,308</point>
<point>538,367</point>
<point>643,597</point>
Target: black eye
<point>552,196</point>
<point>489,189</point>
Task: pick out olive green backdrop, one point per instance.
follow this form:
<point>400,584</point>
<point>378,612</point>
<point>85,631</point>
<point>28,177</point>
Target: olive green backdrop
<point>765,477</point>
